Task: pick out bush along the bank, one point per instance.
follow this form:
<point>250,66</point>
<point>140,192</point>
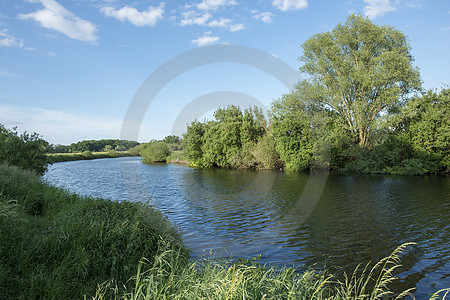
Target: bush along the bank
<point>57,245</point>
<point>25,150</point>
<point>155,151</point>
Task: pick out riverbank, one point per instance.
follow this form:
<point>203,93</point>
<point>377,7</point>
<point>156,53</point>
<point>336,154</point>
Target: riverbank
<point>87,155</point>
<point>55,244</point>
<point>58,245</point>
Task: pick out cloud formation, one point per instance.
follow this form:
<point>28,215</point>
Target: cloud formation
<point>8,40</point>
<point>206,39</point>
<point>148,17</point>
<point>377,8</point>
<point>265,17</point>
<point>285,5</point>
<point>55,16</point>
<point>214,4</point>
<point>192,17</point>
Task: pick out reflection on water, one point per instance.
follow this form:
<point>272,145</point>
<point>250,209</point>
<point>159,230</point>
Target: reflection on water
<point>245,213</point>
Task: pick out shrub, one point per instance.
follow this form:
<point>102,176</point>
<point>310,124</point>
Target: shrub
<point>154,152</point>
<point>26,151</point>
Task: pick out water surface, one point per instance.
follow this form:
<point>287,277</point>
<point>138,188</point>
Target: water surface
<point>352,219</point>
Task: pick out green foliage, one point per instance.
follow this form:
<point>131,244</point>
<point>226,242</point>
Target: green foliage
<point>98,146</point>
<point>176,157</point>
<point>57,245</point>
<point>155,151</point>
<point>228,140</point>
<point>425,122</point>
<point>363,70</point>
<point>265,154</point>
<point>194,141</point>
<point>26,151</point>
<point>172,139</point>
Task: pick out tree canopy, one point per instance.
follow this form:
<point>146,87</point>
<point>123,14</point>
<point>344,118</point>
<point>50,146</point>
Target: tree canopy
<point>362,70</point>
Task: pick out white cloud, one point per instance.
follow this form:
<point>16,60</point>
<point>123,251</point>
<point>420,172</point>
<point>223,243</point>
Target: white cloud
<point>286,5</point>
<point>55,16</point>
<point>51,53</point>
<point>8,40</point>
<point>265,17</point>
<point>138,18</point>
<point>222,22</point>
<point>237,27</point>
<point>191,17</point>
<point>60,127</point>
<point>206,39</point>
<point>377,8</point>
<point>214,4</point>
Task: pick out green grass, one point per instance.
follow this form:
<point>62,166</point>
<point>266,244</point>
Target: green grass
<point>57,245</point>
<point>86,155</point>
<point>166,278</point>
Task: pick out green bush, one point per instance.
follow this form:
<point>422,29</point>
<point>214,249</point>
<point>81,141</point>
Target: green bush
<point>25,150</point>
<point>156,151</point>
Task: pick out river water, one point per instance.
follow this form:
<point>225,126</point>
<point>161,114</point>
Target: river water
<point>291,219</point>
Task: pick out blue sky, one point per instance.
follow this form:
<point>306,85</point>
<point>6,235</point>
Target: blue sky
<point>69,69</point>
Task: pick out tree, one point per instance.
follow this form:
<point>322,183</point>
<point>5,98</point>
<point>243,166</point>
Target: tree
<point>425,123</point>
<point>27,151</point>
<point>363,71</point>
<point>228,140</point>
<point>171,139</point>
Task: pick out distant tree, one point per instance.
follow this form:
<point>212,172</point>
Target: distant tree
<point>27,151</point>
<point>171,139</point>
<point>120,148</point>
<point>363,70</point>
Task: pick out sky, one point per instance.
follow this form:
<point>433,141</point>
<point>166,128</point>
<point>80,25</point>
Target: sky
<point>70,70</point>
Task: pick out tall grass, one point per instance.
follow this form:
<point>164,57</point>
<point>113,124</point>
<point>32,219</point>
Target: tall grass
<point>56,245</point>
<point>166,278</point>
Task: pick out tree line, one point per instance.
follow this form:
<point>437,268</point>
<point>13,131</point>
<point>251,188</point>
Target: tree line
<point>94,146</point>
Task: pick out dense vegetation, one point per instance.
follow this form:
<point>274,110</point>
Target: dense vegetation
<point>86,155</point>
<point>170,149</point>
<point>94,146</point>
<point>360,109</point>
<point>24,150</point>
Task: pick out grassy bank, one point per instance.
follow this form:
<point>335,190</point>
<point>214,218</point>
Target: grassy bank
<point>60,157</point>
<point>57,245</point>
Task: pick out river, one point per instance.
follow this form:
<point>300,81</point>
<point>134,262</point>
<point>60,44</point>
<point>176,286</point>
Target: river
<point>291,219</point>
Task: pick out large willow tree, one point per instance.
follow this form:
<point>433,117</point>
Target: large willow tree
<point>363,71</point>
